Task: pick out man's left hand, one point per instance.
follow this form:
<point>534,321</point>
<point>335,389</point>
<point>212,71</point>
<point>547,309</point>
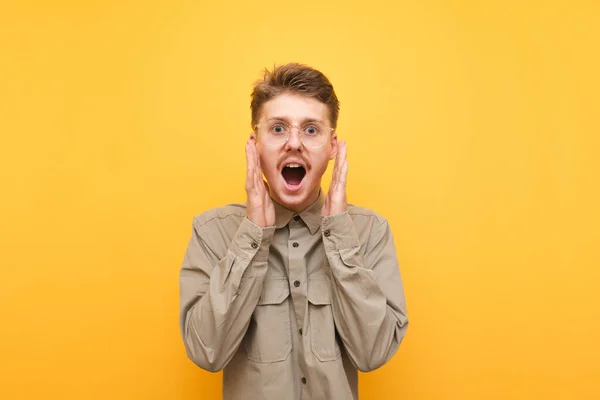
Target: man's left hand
<point>335,202</point>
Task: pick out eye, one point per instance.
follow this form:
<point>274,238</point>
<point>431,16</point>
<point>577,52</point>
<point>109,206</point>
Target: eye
<point>311,130</point>
<point>278,129</point>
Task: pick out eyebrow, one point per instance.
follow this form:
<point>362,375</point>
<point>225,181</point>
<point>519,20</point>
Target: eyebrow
<point>286,120</point>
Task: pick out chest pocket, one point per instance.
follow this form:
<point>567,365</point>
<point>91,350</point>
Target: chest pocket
<point>269,335</point>
<point>323,338</point>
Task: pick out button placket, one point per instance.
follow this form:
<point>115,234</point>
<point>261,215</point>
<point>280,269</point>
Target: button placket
<point>297,271</point>
<point>294,254</point>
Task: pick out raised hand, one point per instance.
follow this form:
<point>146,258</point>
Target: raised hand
<point>336,202</point>
<point>259,207</point>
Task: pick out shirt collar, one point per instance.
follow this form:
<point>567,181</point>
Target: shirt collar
<point>311,215</point>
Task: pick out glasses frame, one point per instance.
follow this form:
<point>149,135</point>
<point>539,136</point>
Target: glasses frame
<point>287,136</point>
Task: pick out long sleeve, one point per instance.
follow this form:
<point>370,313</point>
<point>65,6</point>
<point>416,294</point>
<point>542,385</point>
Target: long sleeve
<point>368,302</point>
<point>219,290</point>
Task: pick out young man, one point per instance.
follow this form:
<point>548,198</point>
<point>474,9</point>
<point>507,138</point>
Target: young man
<point>295,290</point>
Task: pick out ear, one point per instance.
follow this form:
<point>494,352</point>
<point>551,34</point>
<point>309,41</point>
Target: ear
<point>253,136</point>
<point>333,146</point>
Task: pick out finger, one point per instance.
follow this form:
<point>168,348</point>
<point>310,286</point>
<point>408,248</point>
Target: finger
<point>252,163</point>
<point>255,168</point>
<point>325,208</point>
<point>269,206</point>
<point>333,174</point>
<point>336,164</point>
<point>342,159</point>
<point>267,197</point>
<point>249,166</point>
<point>343,175</point>
<point>259,178</point>
<point>339,159</point>
<point>256,158</point>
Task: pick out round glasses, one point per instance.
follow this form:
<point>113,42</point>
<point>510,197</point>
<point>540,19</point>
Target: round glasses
<point>276,133</point>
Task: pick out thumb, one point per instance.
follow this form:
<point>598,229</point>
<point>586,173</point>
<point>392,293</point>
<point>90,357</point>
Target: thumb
<point>325,206</point>
<point>267,191</point>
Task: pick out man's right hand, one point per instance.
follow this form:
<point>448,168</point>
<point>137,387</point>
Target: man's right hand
<point>259,208</point>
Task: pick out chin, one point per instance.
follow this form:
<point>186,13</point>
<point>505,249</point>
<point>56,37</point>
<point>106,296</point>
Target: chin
<point>292,200</point>
<point>294,196</point>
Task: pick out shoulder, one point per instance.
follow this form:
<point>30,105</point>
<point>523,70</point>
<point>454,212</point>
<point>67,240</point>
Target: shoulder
<point>368,224</point>
<point>216,227</point>
<point>365,215</point>
<point>231,214</point>
<point>370,227</point>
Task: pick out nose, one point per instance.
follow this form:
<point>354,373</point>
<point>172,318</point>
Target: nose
<point>294,141</point>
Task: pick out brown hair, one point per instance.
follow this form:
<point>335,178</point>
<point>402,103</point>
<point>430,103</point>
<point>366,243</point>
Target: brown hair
<point>294,78</point>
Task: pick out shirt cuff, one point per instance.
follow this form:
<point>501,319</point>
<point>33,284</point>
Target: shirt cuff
<point>252,242</point>
<point>338,232</point>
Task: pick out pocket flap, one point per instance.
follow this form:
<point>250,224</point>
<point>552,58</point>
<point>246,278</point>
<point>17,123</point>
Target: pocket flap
<point>275,291</point>
<point>318,291</point>
<point>351,257</point>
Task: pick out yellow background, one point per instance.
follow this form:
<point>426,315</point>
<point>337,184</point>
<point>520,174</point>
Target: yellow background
<point>471,125</point>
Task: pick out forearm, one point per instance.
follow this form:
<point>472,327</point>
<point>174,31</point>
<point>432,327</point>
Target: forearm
<point>218,309</point>
<point>367,296</point>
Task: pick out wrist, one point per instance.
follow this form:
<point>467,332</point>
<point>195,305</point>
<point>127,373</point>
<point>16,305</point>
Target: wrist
<point>339,232</point>
<point>256,219</point>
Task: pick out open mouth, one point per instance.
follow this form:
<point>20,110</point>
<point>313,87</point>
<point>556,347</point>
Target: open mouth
<point>293,174</point>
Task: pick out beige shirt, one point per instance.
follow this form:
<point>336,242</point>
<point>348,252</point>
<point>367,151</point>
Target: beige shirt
<point>291,311</point>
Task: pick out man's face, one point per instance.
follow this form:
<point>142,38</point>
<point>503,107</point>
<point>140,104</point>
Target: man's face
<point>294,187</point>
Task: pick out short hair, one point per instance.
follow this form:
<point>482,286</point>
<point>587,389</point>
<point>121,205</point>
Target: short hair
<point>296,79</point>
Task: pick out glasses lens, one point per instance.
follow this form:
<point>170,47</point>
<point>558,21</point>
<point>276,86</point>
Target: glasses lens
<point>274,133</point>
<point>312,134</point>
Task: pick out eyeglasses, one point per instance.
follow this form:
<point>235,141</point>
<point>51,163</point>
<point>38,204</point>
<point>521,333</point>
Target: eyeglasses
<point>276,133</point>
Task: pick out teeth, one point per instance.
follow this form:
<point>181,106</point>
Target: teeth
<point>293,165</point>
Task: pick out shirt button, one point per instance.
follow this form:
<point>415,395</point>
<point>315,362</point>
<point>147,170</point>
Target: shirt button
<point>326,233</point>
<point>304,380</point>
<point>297,218</point>
<point>295,244</point>
<point>254,245</point>
<point>296,283</point>
<point>300,331</point>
